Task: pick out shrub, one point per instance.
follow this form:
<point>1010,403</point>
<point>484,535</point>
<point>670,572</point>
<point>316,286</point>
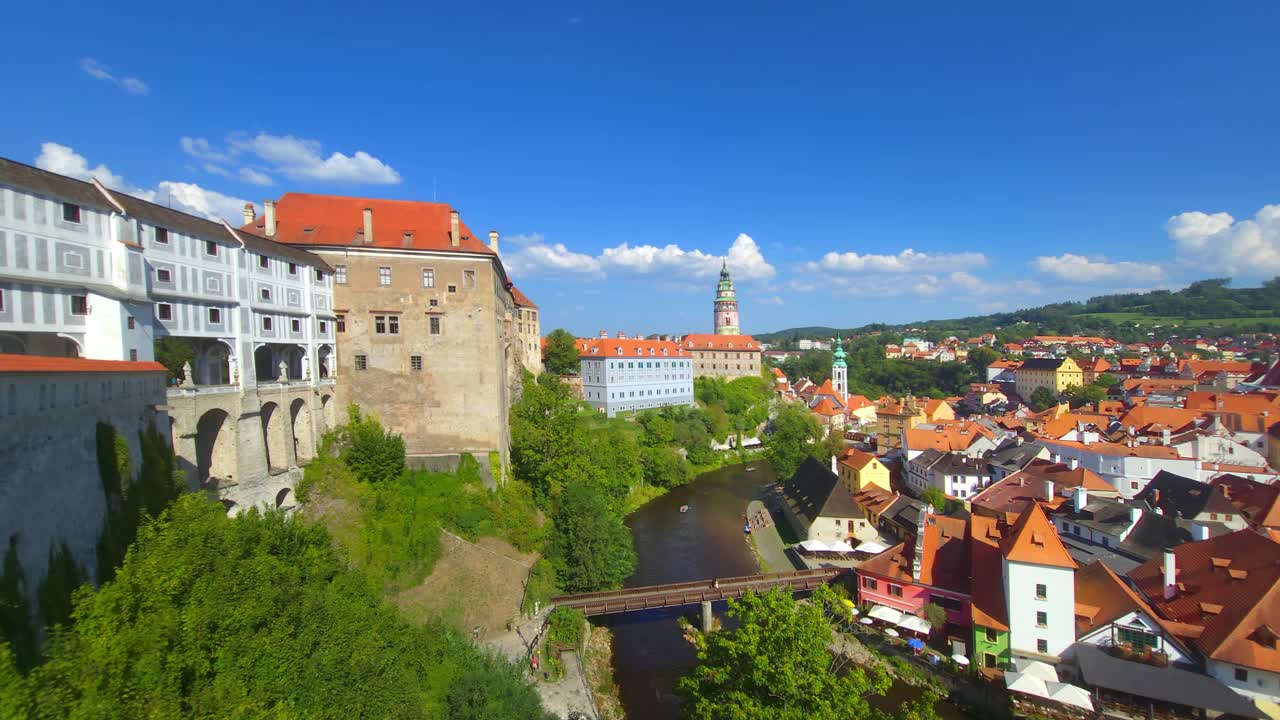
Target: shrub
<point>372,453</point>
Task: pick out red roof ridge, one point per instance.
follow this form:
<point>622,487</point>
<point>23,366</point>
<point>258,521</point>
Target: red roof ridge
<point>42,364</point>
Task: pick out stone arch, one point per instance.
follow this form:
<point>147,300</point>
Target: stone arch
<point>264,364</point>
<point>295,359</point>
<point>12,344</point>
<point>71,347</point>
<point>274,436</point>
<point>284,497</point>
<point>213,364</point>
<point>215,448</point>
<point>329,411</point>
<point>303,431</point>
<point>324,360</point>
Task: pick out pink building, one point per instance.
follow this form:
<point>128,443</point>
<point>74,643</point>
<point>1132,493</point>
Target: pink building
<point>930,566</point>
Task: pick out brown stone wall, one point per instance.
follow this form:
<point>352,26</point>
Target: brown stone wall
<point>725,363</point>
<point>470,372</point>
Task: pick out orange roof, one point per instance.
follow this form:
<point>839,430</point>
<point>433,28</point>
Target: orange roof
<point>1116,449</point>
<point>1033,539</point>
<point>932,406</point>
<point>1108,597</point>
<point>987,588</point>
<point>1006,364</point>
<point>946,436</point>
<point>1236,575</point>
<point>777,372</point>
<point>335,220</point>
<point>1234,367</point>
<point>1026,487</point>
<point>41,364</point>
<point>709,341</point>
<point>943,563</point>
<point>826,407</point>
<point>521,299</point>
<point>856,458</point>
<point>1072,339</point>
<point>857,402</point>
<point>874,499</point>
<point>613,347</point>
<point>1168,417</point>
<point>1260,502</point>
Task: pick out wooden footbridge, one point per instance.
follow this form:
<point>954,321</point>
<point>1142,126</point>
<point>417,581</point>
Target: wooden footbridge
<point>692,593</point>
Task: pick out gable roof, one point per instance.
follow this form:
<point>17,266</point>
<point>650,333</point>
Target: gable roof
<point>617,348</point>
<point>1183,497</point>
<point>944,556</point>
<point>1027,487</point>
<point>43,182</point>
<point>521,300</point>
<point>856,459</point>
<point>335,220</point>
<point>1230,586</point>
<point>42,364</point>
<point>1260,503</point>
<point>1106,598</point>
<point>1041,364</point>
<point>826,407</point>
<point>987,588</point>
<point>711,341</point>
<point>1033,539</point>
<point>814,491</point>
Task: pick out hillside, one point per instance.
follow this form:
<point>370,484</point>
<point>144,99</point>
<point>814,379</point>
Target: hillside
<point>1208,307</point>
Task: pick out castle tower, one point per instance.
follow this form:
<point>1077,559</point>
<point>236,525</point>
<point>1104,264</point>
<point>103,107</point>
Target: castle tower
<point>840,373</point>
<point>726,321</point>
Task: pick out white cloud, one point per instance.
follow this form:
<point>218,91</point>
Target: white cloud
<point>216,170</point>
<point>1220,243</point>
<point>965,281</point>
<point>303,159</point>
<point>131,85</point>
<point>906,261</point>
<point>1092,270</point>
<point>744,259</point>
<point>775,300</point>
<point>65,161</point>
<point>187,197</point>
<point>200,148</point>
<point>253,177</point>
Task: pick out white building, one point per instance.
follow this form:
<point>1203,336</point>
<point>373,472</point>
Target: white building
<point>89,272</point>
<point>620,375</point>
<point>1039,585</point>
<point>957,475</point>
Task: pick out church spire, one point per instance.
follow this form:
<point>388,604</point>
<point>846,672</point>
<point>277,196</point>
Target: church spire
<point>726,303</point>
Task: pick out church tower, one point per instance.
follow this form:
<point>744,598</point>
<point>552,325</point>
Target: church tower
<point>840,373</point>
<point>726,322</point>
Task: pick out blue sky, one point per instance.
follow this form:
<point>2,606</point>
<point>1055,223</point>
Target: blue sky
<point>857,162</point>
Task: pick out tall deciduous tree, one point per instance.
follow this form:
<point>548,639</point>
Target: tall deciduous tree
<point>561,357</point>
<point>590,547</point>
<point>791,439</point>
<point>1042,399</point>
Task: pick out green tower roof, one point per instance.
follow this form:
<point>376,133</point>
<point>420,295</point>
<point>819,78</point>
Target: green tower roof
<point>839,355</point>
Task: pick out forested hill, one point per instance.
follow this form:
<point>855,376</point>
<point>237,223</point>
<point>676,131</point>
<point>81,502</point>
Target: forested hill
<point>1211,307</point>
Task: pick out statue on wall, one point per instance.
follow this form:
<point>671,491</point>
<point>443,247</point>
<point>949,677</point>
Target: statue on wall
<point>186,375</point>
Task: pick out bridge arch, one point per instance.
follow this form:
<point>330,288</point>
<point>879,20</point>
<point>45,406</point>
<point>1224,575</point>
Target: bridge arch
<point>215,448</point>
<point>303,430</point>
<point>329,411</point>
<point>273,436</point>
<point>284,497</point>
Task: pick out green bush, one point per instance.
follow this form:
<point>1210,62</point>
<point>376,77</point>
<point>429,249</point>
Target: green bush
<point>15,616</point>
<point>564,627</point>
<point>590,547</point>
<point>371,452</point>
<point>541,585</point>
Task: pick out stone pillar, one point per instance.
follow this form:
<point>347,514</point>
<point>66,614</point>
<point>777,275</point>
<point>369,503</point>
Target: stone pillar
<point>707,617</point>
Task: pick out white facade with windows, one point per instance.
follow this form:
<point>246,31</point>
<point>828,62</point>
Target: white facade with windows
<point>629,375</point>
<point>1041,600</point>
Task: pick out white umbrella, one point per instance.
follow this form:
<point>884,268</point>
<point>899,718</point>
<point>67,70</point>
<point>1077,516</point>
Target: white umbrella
<point>1042,670</point>
<point>866,621</point>
<point>871,547</point>
<point>841,546</point>
<point>886,614</point>
<point>915,624</point>
<point>814,546</point>
<point>1069,694</point>
<point>891,632</point>
<point>960,660</point>
<point>1026,684</point>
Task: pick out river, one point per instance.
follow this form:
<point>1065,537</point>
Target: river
<point>649,654</point>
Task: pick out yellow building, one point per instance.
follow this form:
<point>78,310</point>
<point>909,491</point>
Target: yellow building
<point>1056,374</point>
<point>861,470</point>
<point>893,418</point>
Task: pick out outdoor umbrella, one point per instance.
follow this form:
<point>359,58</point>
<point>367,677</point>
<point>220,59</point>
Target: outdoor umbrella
<point>866,621</point>
<point>915,644</point>
<point>891,632</point>
<point>960,660</point>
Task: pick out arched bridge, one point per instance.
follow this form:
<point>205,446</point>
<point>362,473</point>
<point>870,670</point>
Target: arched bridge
<point>692,593</point>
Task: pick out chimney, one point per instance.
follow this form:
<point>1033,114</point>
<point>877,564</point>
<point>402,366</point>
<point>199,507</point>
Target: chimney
<point>1164,436</point>
<point>1081,499</point>
<point>1170,574</point>
<point>1048,491</point>
<point>1199,532</point>
<point>1073,463</point>
<point>269,217</point>
<point>622,335</point>
<point>834,469</point>
<point>248,214</point>
<point>1135,514</point>
<point>493,241</point>
<point>604,334</point>
<point>368,226</point>
<point>455,235</point>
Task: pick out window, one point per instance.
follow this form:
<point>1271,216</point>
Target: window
<point>1242,675</point>
<point>264,262</point>
<point>265,293</point>
<point>295,325</point>
<point>415,362</point>
<point>319,276</point>
<point>433,302</point>
<point>380,324</point>
<point>895,590</point>
<point>266,323</point>
<point>71,213</point>
<point>210,248</point>
<point>341,322</point>
<point>162,236</point>
<point>215,316</point>
<point>164,276</point>
<point>453,288</point>
<point>1042,619</point>
<point>324,327</point>
<point>340,274</point>
<point>164,311</point>
<point>393,324</point>
<point>1042,592</point>
<point>293,268</point>
<point>384,276</point>
<point>989,660</point>
<point>991,636</point>
<point>79,304</point>
<point>1042,647</point>
<point>1138,638</point>
<point>133,355</point>
<point>1213,516</point>
<point>468,278</point>
<point>428,278</point>
<point>362,362</point>
<point>132,323</point>
<point>1133,484</point>
<point>435,326</point>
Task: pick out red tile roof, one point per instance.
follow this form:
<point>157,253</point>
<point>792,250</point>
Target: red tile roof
<point>521,299</point>
<point>336,220</point>
<point>613,347</point>
<point>1026,487</point>
<point>856,458</point>
<point>1033,539</point>
<point>987,592</point>
<point>1117,449</point>
<point>944,562</point>
<point>827,408</point>
<point>41,364</point>
<point>709,341</point>
<point>1230,586</point>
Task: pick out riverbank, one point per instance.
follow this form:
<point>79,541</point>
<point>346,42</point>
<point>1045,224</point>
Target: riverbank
<point>766,543</point>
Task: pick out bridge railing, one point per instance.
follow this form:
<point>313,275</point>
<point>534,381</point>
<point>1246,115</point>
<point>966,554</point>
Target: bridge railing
<point>699,585</point>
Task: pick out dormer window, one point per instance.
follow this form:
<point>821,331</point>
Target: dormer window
<point>264,262</point>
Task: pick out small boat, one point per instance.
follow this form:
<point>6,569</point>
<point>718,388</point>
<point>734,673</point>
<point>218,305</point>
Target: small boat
<point>684,508</point>
<point>751,468</point>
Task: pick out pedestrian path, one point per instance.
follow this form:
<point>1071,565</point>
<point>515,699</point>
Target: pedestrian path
<point>768,542</point>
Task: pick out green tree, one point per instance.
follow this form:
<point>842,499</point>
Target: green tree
<point>937,499</point>
<point>590,548</point>
<point>372,453</point>
<point>561,356</point>
<point>979,358</point>
<point>1106,380</point>
<point>936,615</point>
<point>1042,399</point>
<point>173,353</point>
<point>793,433</point>
<point>1087,394</point>
<point>775,666</point>
<point>664,467</point>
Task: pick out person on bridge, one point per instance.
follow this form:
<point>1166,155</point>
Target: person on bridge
<point>715,584</point>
